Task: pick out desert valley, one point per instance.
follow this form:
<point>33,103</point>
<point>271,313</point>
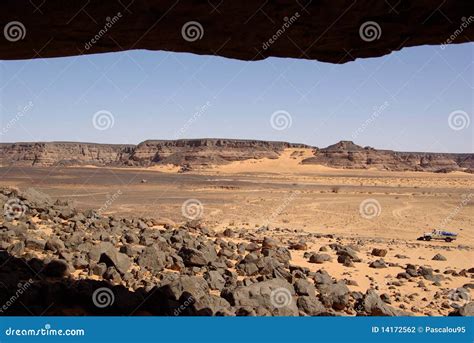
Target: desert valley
<point>236,227</point>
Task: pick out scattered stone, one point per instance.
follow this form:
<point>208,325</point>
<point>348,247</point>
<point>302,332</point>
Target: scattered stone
<point>378,264</point>
<point>319,258</point>
<point>379,252</point>
<point>439,257</point>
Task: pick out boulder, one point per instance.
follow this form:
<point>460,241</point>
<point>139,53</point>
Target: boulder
<point>319,258</point>
<point>152,259</point>
<point>439,257</point>
<point>379,252</point>
<point>193,257</point>
<point>112,257</point>
<point>311,306</point>
<point>274,296</point>
<point>373,305</point>
<point>335,295</point>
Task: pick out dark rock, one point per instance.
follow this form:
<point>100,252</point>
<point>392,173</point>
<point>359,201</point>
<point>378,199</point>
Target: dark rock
<point>373,305</point>
<point>55,245</point>
<point>193,257</point>
<point>194,286</point>
<point>112,257</point>
<point>439,257</point>
<point>319,258</point>
<point>269,243</point>
<point>152,259</point>
<point>274,296</point>
<point>335,295</point>
<point>378,264</point>
<point>99,269</point>
<point>379,252</point>
<point>304,287</point>
<point>298,246</point>
<point>35,243</point>
<point>311,306</point>
<point>214,280</point>
<point>56,268</point>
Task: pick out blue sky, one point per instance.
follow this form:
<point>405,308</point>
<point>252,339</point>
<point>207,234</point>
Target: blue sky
<point>401,101</point>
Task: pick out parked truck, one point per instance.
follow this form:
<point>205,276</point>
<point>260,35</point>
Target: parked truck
<point>440,235</point>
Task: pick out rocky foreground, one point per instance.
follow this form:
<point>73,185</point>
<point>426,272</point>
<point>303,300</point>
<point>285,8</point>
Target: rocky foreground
<point>57,260</point>
<point>198,153</point>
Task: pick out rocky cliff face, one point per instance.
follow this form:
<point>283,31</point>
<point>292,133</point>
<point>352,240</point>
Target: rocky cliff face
<point>64,153</point>
<point>206,151</point>
<point>346,154</point>
<point>193,153</point>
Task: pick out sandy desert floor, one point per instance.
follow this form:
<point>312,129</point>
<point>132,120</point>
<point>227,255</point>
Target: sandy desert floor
<point>374,208</point>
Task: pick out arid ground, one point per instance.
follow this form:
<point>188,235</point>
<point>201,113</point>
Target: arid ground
<point>367,208</point>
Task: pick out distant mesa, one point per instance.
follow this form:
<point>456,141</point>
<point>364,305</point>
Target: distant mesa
<point>200,153</point>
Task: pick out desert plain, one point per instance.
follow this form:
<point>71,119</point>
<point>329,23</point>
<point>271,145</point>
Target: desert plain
<point>306,208</point>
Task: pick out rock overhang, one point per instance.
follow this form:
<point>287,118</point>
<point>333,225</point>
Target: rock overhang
<point>334,31</point>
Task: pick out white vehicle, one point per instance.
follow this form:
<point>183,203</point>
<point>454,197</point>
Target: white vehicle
<point>438,234</point>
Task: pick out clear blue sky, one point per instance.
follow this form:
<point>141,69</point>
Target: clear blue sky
<point>152,95</point>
